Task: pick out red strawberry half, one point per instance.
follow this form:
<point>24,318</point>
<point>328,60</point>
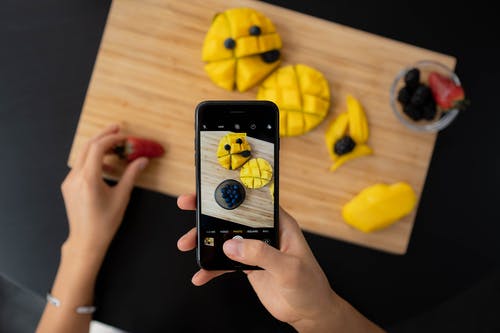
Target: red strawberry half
<point>133,148</point>
<point>447,94</point>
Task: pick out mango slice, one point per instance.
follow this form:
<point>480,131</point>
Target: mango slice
<point>351,123</point>
<point>378,206</point>
<point>358,151</point>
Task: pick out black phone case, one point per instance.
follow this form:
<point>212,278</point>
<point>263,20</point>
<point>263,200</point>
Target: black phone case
<point>235,106</point>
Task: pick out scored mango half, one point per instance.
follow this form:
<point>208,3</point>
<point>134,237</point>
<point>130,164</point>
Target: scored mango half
<point>378,206</point>
<point>347,135</point>
<point>256,173</point>
<point>240,49</point>
<point>302,95</point>
<point>233,150</point>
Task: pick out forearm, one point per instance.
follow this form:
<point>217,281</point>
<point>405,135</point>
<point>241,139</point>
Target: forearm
<point>342,317</point>
<point>73,286</point>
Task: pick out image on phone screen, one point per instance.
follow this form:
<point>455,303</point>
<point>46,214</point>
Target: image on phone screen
<point>237,174</point>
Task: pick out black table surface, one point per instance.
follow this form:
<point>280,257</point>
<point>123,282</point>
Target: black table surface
<point>47,52</point>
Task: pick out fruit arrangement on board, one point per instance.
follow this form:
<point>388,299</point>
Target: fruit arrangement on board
<point>242,49</point>
<point>347,135</point>
<point>234,152</point>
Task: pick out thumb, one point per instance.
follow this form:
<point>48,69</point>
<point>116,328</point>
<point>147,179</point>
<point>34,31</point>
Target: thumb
<point>256,253</point>
<point>130,175</point>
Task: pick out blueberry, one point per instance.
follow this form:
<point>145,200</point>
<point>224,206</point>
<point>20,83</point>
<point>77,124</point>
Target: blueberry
<point>254,30</point>
<point>270,56</point>
<point>227,147</point>
<point>239,141</point>
<point>229,43</point>
<point>235,187</point>
<point>245,153</point>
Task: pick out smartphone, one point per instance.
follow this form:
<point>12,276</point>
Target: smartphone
<point>237,177</point>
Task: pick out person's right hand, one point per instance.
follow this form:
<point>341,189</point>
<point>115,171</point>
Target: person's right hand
<point>292,286</point>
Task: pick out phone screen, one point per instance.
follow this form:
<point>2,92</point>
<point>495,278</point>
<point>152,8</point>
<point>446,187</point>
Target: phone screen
<point>237,177</point>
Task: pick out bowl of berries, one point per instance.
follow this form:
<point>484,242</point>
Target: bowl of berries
<point>427,96</point>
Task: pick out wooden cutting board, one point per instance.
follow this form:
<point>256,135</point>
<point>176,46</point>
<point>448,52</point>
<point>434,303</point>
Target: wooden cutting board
<point>149,77</point>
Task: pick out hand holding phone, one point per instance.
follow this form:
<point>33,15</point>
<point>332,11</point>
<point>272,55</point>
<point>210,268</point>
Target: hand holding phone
<point>292,285</point>
<point>237,173</point>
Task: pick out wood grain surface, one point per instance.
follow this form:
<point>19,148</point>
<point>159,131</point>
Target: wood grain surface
<point>149,77</point>
<point>257,209</point>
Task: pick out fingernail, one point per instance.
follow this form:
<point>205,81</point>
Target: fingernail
<point>233,247</point>
<point>143,163</point>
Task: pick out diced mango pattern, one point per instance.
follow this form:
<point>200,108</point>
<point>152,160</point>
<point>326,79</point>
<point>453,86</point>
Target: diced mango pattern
<point>302,95</point>
<point>256,173</point>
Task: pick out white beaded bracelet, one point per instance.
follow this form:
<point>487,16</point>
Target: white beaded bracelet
<point>80,310</point>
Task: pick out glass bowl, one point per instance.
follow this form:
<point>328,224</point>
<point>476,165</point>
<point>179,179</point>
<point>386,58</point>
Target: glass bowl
<point>442,118</point>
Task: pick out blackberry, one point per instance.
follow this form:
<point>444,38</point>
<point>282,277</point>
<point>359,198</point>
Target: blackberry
<point>344,145</point>
<point>229,43</point>
<point>270,56</point>
<point>404,95</point>
<point>421,95</point>
<point>412,78</point>
<point>412,111</point>
<point>254,30</point>
<point>429,110</point>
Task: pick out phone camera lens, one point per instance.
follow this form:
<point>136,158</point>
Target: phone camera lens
<point>253,126</point>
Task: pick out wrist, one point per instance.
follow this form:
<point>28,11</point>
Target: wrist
<point>81,258</point>
<point>339,316</point>
<point>325,319</point>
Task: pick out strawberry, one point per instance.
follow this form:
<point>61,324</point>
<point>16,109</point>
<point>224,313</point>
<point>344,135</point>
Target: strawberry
<point>447,94</point>
<point>133,148</point>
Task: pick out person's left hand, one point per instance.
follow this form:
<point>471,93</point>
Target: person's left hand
<point>95,210</point>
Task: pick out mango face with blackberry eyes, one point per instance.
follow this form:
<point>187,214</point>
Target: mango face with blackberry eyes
<point>233,150</point>
<point>240,49</point>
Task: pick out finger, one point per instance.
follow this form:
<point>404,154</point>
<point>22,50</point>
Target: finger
<point>97,151</point>
<point>109,168</point>
<point>188,241</point>
<point>130,175</point>
<point>254,252</point>
<point>203,276</point>
<point>80,160</point>
<point>187,201</point>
